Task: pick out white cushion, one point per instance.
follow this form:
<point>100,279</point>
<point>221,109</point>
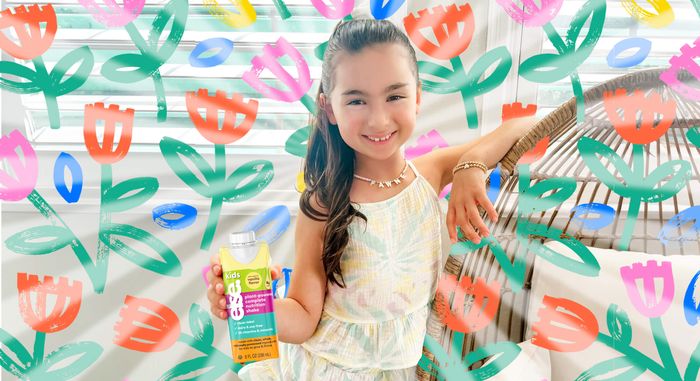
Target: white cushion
<point>532,364</point>
<point>597,293</point>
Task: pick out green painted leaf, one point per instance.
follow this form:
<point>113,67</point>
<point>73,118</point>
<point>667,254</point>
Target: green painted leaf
<point>81,355</point>
<point>21,353</point>
<point>15,69</point>
<point>174,151</point>
<point>114,200</point>
<point>201,324</point>
<point>175,11</point>
<point>85,60</point>
<point>170,264</point>
<point>611,365</point>
<point>297,142</point>
<point>235,190</point>
<point>40,240</point>
<point>619,325</point>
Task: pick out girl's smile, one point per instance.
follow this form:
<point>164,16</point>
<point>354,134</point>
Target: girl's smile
<point>381,139</point>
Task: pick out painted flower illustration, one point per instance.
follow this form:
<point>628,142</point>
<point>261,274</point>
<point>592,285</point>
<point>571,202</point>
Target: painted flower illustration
<point>26,22</point>
<point>103,152</point>
<point>483,306</point>
<point>647,302</point>
<point>209,125</point>
<point>20,182</point>
<point>650,127</point>
<point>532,15</point>
<point>564,325</point>
<point>117,14</point>
<point>146,325</point>
<point>296,87</point>
<point>445,24</point>
<point>33,302</point>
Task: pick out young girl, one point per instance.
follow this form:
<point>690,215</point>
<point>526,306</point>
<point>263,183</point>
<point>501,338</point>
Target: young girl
<point>368,238</point>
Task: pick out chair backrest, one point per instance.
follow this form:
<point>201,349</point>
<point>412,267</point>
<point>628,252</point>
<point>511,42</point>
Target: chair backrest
<point>588,155</point>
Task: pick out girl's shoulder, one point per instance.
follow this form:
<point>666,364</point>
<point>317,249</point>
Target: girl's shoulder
<point>426,167</point>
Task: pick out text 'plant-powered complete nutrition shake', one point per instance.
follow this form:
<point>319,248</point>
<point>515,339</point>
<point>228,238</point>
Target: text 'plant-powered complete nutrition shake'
<point>248,289</point>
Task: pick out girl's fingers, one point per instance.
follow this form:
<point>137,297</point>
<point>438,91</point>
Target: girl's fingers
<point>470,233</point>
<point>460,220</point>
<point>488,206</point>
<point>215,311</point>
<point>275,271</point>
<point>467,229</point>
<point>477,222</point>
<point>451,228</point>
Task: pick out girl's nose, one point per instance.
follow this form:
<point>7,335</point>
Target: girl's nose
<point>379,116</point>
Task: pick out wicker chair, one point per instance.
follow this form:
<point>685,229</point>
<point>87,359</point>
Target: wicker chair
<point>562,159</point>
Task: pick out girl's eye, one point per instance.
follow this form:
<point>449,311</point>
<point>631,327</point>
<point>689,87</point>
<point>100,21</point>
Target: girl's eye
<point>395,97</point>
<point>355,102</point>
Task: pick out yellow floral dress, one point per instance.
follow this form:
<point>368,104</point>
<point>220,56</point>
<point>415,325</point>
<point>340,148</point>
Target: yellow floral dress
<point>374,328</point>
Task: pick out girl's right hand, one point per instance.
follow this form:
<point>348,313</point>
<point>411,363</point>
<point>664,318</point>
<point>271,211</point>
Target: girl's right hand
<point>215,291</point>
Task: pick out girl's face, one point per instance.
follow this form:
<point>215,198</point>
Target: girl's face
<point>375,97</point>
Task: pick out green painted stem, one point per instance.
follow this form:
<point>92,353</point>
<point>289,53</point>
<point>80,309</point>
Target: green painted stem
<point>162,105</point>
<point>98,281</point>
<point>282,9</point>
<point>217,200</point>
<point>458,80</point>
<point>578,93</point>
<point>560,46</point>
<point>554,37</point>
<point>39,345</point>
<point>633,355</point>
<point>691,371</point>
<point>102,257</point>
<point>665,354</point>
<point>49,94</point>
<point>143,47</point>
<point>696,5</point>
<point>635,201</point>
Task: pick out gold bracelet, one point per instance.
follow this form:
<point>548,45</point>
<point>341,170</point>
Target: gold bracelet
<point>469,164</point>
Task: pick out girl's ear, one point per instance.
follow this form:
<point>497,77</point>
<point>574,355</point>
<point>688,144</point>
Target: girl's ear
<point>327,108</point>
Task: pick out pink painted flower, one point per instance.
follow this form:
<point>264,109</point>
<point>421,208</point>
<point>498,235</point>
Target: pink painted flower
<point>532,15</point>
<point>117,15</point>
<point>687,60</point>
<point>18,183</point>
<point>340,9</point>
<point>648,304</point>
<point>298,87</point>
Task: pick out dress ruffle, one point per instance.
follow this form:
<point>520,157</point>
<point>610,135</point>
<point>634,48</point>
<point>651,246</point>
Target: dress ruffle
<point>388,344</point>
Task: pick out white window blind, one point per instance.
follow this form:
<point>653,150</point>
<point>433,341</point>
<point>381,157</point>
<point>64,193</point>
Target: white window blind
<point>275,120</point>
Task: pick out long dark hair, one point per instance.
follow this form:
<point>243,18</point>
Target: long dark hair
<point>330,162</point>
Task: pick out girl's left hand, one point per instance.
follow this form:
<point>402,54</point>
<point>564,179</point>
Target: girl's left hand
<point>468,191</point>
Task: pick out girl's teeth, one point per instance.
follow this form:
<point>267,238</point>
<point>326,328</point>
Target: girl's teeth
<point>380,139</point>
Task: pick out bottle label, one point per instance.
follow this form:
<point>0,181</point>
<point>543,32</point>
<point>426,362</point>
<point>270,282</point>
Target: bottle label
<point>251,317</point>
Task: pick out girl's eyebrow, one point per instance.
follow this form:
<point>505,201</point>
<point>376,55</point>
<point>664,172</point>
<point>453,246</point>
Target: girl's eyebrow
<point>389,88</point>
